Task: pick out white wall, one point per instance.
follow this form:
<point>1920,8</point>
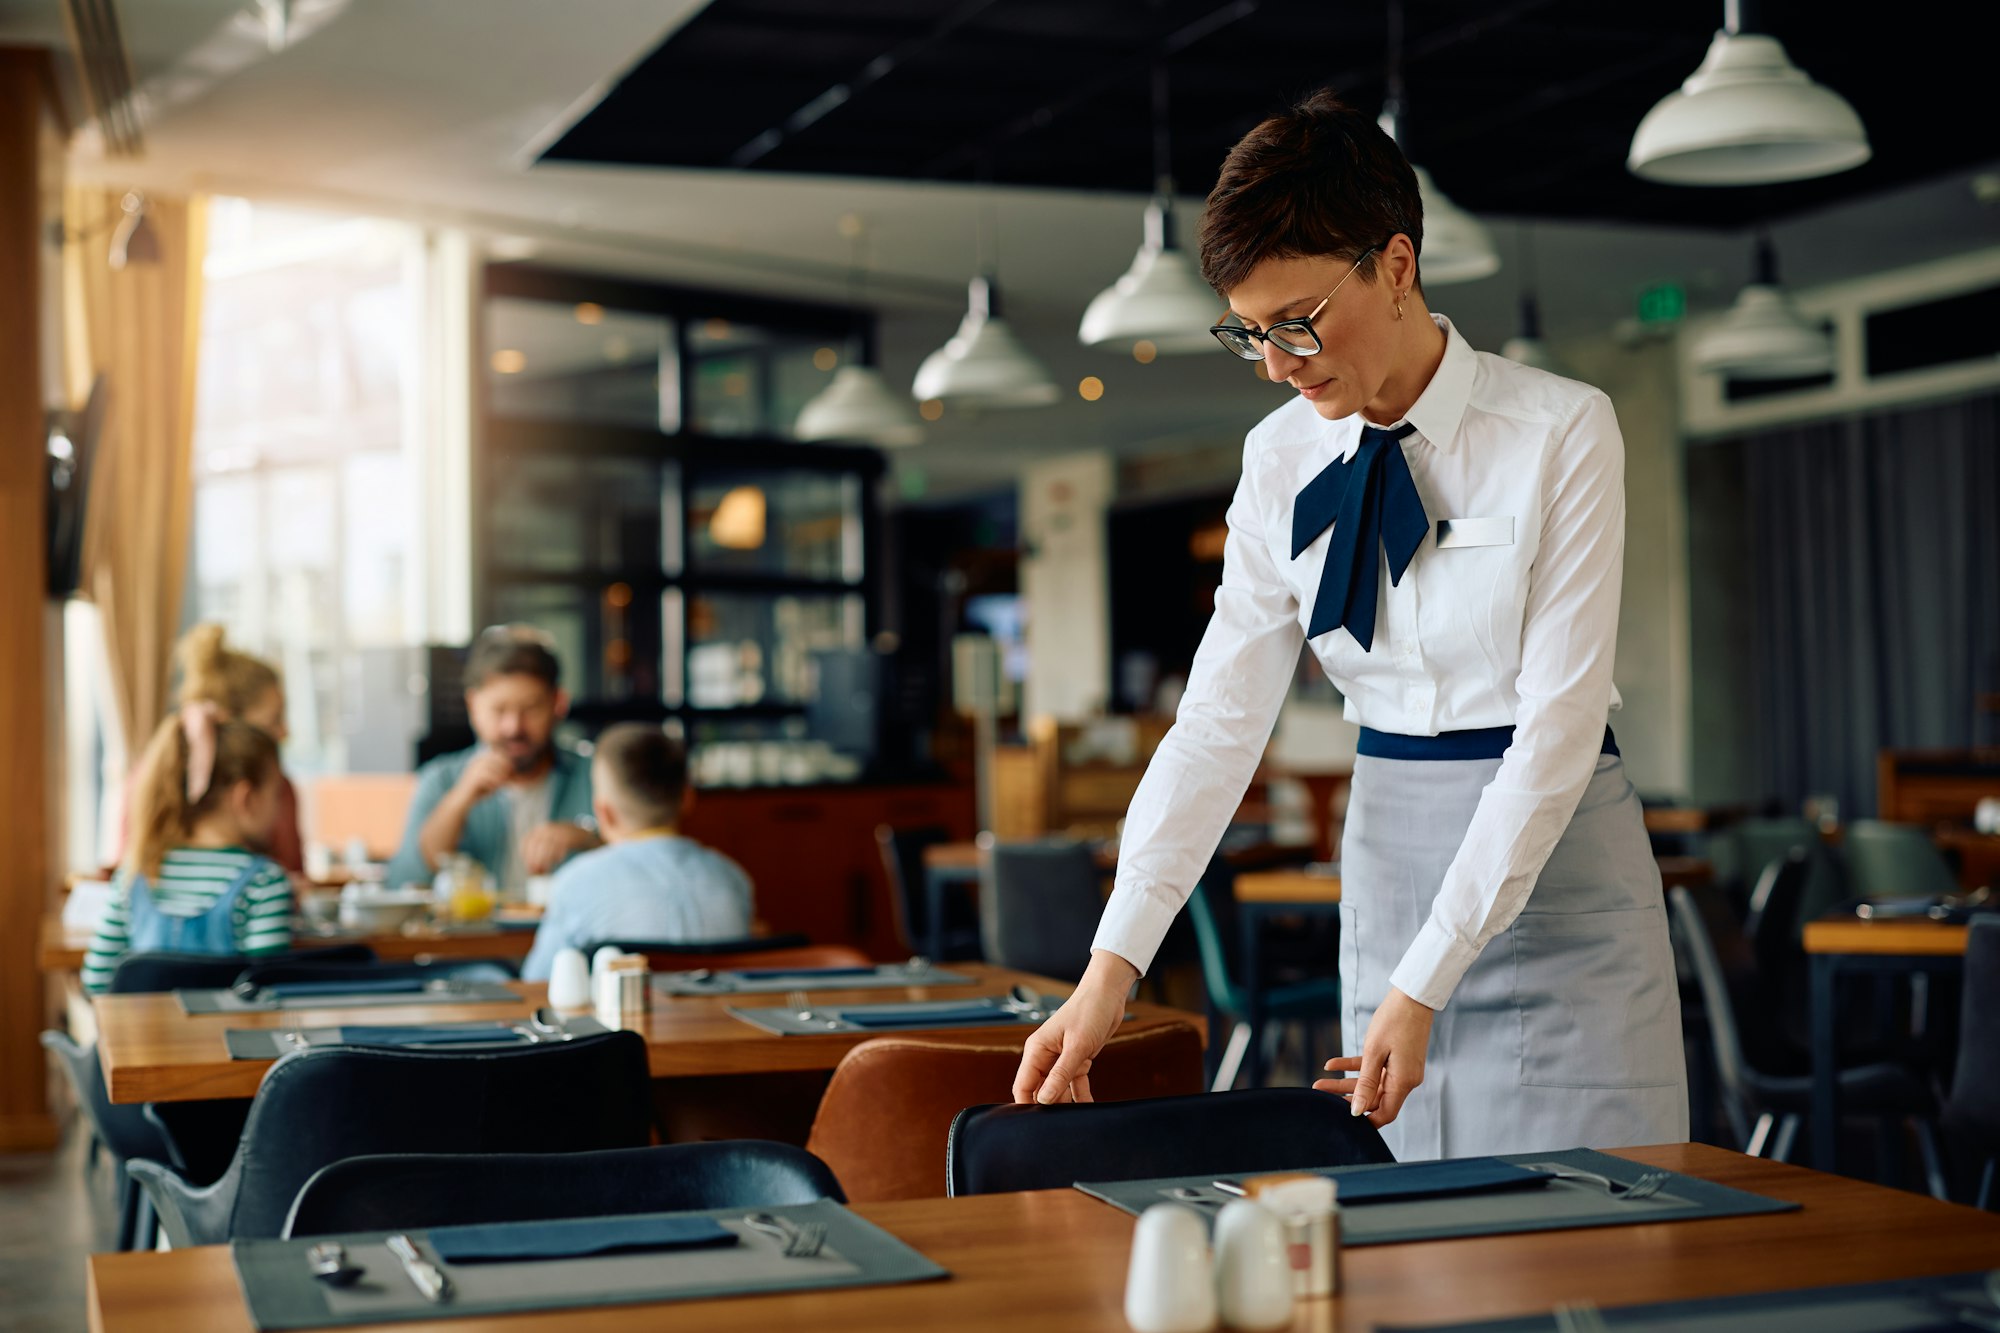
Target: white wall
<point>1066,585</point>
<point>1653,657</point>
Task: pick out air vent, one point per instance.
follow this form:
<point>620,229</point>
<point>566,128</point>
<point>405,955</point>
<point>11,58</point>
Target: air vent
<point>1947,332</point>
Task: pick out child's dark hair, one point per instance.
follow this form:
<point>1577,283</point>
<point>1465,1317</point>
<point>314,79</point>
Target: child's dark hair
<point>648,772</point>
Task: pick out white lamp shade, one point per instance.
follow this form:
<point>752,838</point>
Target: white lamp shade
<point>1748,116</point>
<point>858,404</point>
<point>1456,246</point>
<point>1534,352</point>
<point>1161,299</point>
<point>984,364</point>
<point>1763,337</point>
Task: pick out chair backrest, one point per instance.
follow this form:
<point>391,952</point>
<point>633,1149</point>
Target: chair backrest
<point>1773,924</point>
<point>151,973</point>
<point>409,1190</point>
<point>445,969</point>
<point>886,1116</point>
<point>1741,851</point>
<point>1895,861</point>
<point>1217,935</point>
<point>994,1149</point>
<point>1038,905</point>
<point>902,852</point>
<point>321,1105</point>
<point>124,1130</point>
<point>1704,930</point>
<point>680,959</point>
<point>1972,1112</point>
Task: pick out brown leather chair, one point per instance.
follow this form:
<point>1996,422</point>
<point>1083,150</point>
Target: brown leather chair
<point>887,1113</point>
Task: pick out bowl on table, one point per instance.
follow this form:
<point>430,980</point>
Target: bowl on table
<point>378,911</point>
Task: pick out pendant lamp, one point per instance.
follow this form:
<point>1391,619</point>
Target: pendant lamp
<point>1456,247</point>
<point>1161,299</point>
<point>1763,337</point>
<point>1526,346</point>
<point>984,364</point>
<point>857,404</point>
<point>1747,116</point>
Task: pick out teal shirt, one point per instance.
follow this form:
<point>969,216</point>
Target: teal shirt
<point>485,835</point>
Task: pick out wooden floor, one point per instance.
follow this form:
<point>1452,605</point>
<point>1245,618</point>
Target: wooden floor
<point>51,1217</point>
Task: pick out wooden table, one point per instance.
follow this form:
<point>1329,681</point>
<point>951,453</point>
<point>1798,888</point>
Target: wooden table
<point>62,949</point>
<point>1978,855</point>
<point>1840,944</point>
<point>1055,1260</point>
<point>153,1052</point>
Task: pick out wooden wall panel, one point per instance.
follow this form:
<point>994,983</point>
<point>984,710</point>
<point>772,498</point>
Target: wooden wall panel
<point>28,770</point>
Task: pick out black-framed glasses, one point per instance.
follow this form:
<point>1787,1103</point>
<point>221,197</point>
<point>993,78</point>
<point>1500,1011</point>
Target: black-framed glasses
<point>1296,336</point>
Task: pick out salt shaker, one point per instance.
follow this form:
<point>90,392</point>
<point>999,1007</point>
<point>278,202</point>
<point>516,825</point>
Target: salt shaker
<point>1169,1286</point>
<point>1253,1269</point>
<point>569,980</point>
<point>1310,1209</point>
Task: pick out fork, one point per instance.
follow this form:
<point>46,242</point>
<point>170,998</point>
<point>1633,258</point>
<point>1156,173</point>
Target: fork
<point>802,1240</point>
<point>797,1000</point>
<point>1645,1187</point>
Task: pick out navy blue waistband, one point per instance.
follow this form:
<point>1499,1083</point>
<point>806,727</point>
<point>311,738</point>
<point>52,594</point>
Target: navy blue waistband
<point>1483,743</point>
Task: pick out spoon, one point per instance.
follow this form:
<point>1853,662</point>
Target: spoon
<point>329,1264</point>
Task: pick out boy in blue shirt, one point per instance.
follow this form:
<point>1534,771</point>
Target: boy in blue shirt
<point>648,882</point>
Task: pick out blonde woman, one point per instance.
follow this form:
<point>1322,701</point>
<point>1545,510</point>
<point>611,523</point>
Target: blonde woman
<point>244,688</point>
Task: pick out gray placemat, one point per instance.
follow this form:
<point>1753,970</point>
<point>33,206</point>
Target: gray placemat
<point>1874,1307</point>
<point>282,1294</point>
<point>1558,1205</point>
<point>270,1043</point>
<point>785,1022</point>
<point>229,1002</point>
<point>886,976</point>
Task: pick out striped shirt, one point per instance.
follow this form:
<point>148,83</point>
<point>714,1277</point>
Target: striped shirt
<point>190,881</point>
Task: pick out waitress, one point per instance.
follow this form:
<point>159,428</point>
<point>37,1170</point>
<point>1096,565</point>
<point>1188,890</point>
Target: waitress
<point>1445,530</point>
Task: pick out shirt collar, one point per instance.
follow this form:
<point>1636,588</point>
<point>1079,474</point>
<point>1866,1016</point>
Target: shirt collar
<point>1440,407</point>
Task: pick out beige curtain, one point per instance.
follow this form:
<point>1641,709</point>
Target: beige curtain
<point>140,328</point>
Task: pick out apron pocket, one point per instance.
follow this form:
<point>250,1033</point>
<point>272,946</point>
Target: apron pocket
<point>1597,1000</point>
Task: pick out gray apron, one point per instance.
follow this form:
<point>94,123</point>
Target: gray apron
<point>1565,1032</point>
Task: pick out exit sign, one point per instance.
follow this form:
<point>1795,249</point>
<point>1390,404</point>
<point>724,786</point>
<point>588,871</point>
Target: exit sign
<point>1662,303</point>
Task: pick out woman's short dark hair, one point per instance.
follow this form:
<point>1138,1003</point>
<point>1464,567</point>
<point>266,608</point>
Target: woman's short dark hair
<point>1319,179</point>
<point>512,650</point>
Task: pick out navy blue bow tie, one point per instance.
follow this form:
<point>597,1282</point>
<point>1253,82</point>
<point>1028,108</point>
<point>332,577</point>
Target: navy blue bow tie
<point>1373,505</point>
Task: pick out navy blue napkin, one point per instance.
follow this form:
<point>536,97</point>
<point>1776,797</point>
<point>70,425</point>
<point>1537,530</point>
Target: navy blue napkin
<point>574,1237</point>
<point>488,1033</point>
<point>759,972</point>
<point>931,1015</point>
<point>284,990</point>
<point>1431,1180</point>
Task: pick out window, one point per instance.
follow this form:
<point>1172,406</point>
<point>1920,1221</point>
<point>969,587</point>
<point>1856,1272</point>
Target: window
<point>308,536</point>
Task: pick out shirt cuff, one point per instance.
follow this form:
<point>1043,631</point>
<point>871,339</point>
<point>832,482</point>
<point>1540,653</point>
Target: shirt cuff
<point>1432,966</point>
<point>1132,927</point>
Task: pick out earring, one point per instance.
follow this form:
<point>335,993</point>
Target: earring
<point>1399,304</point>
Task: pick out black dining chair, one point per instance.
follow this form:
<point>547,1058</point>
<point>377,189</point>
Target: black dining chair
<point>902,851</point>
<point>1038,905</point>
<point>153,973</point>
<point>1971,1117</point>
<point>312,970</point>
<point>320,1105</point>
<point>406,1190</point>
<point>124,1131</point>
<point>996,1149</point>
<point>1766,1091</point>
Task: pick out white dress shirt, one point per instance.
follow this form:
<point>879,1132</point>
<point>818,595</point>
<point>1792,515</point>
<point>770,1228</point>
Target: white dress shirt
<point>1518,630</point>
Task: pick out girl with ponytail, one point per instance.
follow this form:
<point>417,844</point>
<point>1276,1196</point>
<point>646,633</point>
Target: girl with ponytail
<point>207,791</point>
<point>244,688</point>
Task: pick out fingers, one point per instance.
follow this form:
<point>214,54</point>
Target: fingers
<point>1069,1067</point>
<point>1079,1091</point>
<point>1037,1058</point>
<point>1368,1083</point>
<point>1350,1063</point>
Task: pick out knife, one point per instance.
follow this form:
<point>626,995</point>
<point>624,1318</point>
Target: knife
<point>434,1285</point>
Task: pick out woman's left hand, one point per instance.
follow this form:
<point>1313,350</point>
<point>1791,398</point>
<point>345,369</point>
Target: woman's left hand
<point>1391,1063</point>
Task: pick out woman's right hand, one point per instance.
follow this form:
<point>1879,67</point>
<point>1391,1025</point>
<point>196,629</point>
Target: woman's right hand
<point>1055,1066</point>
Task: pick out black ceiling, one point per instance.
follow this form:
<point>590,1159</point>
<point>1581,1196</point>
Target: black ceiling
<point>1521,107</point>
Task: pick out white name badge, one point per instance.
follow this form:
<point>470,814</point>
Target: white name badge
<point>1475,532</point>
